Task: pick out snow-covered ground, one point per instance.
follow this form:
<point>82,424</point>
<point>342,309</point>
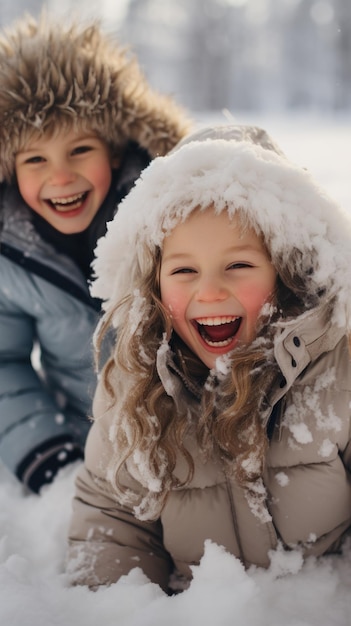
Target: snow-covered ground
<point>33,586</point>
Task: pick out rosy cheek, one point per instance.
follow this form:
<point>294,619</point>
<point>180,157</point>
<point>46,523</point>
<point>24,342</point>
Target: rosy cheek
<point>174,310</point>
<point>253,299</point>
<point>173,302</point>
<point>105,175</point>
<point>28,193</point>
<point>101,176</point>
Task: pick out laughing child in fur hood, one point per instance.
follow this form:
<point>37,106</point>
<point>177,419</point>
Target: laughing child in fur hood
<point>78,123</point>
<point>224,412</point>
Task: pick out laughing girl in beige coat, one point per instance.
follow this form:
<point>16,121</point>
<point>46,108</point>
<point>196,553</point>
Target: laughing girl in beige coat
<point>224,412</point>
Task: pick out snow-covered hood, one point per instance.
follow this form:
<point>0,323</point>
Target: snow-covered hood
<point>231,167</point>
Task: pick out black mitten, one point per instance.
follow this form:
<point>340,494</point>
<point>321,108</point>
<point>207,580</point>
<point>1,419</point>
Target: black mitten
<point>41,465</point>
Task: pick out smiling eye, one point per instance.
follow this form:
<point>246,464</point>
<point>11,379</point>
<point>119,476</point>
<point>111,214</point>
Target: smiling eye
<point>183,270</point>
<point>238,266</point>
<point>82,149</point>
<point>35,159</point>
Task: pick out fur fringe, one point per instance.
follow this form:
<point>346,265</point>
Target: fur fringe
<point>54,75</point>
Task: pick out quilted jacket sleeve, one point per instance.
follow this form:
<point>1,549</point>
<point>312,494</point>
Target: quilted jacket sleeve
<point>106,541</point>
<point>32,310</point>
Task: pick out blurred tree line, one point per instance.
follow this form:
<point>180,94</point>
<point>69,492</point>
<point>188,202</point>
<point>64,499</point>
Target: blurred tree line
<point>230,54</point>
<point>245,54</point>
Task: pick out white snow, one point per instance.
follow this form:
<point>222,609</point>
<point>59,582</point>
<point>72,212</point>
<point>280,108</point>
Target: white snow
<point>282,479</point>
<point>33,586</point>
<point>326,448</point>
<point>301,432</point>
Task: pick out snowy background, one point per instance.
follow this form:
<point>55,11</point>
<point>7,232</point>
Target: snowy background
<point>276,59</point>
<point>245,55</point>
<point>33,586</point>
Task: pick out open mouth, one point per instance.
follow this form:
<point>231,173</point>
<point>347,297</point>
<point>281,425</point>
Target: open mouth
<point>218,332</point>
<point>70,203</point>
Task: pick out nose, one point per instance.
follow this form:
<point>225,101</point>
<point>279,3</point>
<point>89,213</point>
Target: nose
<point>61,174</point>
<point>210,289</point>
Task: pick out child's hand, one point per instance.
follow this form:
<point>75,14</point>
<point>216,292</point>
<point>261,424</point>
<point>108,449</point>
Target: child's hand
<point>40,467</point>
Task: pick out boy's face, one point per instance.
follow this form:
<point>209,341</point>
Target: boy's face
<point>214,281</point>
<point>65,178</point>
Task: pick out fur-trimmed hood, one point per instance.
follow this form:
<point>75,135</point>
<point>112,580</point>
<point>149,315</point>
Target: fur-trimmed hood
<point>231,167</point>
<point>52,73</point>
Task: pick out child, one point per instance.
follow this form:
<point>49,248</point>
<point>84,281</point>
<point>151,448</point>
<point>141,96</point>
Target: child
<point>224,412</point>
<point>78,123</point>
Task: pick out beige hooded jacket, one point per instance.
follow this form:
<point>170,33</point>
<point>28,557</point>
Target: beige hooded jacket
<point>306,497</point>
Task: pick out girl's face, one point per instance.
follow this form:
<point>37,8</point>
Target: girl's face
<point>214,280</point>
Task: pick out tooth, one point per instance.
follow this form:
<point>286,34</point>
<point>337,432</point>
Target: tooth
<point>67,200</point>
<point>219,344</point>
<point>216,321</point>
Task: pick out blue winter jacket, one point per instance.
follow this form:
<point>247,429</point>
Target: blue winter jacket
<point>47,319</point>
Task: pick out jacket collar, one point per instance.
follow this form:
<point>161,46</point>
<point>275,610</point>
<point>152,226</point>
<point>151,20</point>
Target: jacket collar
<point>303,340</point>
